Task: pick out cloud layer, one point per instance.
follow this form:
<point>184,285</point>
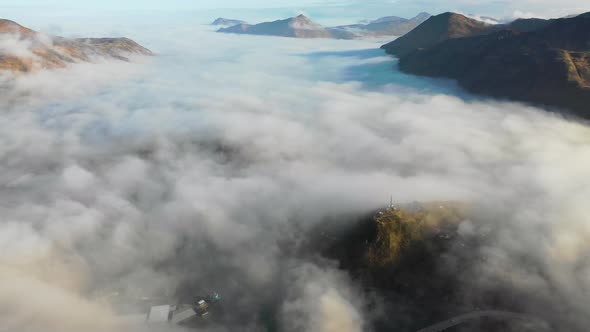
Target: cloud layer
<point>205,166</point>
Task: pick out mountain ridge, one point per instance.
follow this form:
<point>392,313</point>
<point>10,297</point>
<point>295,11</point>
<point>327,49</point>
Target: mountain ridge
<point>295,27</point>
<point>435,30</point>
<point>41,51</point>
<point>303,27</point>
<point>544,63</point>
<point>227,21</point>
<point>387,26</point>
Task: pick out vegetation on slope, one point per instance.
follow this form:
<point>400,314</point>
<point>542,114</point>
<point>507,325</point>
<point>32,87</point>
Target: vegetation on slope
<point>416,267</point>
<point>399,230</point>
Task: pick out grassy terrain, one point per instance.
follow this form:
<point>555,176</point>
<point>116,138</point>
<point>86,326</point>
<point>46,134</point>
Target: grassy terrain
<point>400,229</point>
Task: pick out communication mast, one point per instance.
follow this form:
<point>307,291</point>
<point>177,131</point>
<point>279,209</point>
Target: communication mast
<point>391,205</point>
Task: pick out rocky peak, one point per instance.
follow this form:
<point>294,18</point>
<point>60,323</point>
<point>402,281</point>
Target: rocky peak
<point>304,23</point>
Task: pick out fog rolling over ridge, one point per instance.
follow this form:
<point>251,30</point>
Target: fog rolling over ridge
<point>208,165</point>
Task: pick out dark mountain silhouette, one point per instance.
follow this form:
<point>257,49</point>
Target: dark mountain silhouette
<point>435,30</point>
<point>451,26</point>
<point>528,24</point>
<point>546,62</point>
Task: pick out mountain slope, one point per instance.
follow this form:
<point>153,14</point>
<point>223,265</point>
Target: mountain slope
<point>386,26</point>
<point>528,24</point>
<point>295,27</point>
<point>24,50</point>
<point>548,66</point>
<point>435,30</point>
<point>11,27</point>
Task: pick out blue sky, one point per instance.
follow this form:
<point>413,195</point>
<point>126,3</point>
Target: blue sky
<point>328,9</point>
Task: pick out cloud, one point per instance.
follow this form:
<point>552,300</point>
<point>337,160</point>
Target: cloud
<point>204,169</point>
<point>12,45</point>
<point>319,304</point>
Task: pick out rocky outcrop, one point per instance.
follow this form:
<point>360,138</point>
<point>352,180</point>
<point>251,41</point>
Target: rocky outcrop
<point>25,50</point>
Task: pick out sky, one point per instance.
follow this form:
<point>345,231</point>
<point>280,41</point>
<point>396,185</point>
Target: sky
<point>324,9</point>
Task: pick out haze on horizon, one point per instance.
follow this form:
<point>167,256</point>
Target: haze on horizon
<point>320,9</point>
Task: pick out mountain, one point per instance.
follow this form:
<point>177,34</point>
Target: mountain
<point>549,65</point>
<point>29,50</point>
<point>435,30</point>
<point>389,19</point>
<point>303,27</point>
<point>528,24</point>
<point>295,27</point>
<point>386,26</point>
<point>227,22</point>
<point>419,262</point>
<point>10,27</point>
<point>422,17</point>
<point>447,26</point>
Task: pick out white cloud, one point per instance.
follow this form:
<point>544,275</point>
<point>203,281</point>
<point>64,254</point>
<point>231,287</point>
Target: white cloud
<point>12,45</point>
<point>203,162</point>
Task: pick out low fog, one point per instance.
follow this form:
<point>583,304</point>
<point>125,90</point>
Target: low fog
<point>207,165</point>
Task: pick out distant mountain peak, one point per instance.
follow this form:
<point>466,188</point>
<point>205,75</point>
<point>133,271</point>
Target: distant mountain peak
<point>227,21</point>
<point>423,15</point>
<point>302,22</point>
<point>436,29</point>
<point>295,27</point>
<point>302,26</point>
<point>455,16</point>
<point>302,18</point>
